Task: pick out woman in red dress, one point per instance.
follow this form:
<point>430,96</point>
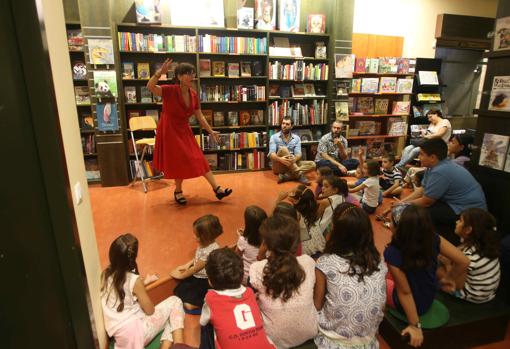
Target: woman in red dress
<point>176,152</point>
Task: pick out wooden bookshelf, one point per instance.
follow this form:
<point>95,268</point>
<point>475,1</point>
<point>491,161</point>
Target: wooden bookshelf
<point>373,137</point>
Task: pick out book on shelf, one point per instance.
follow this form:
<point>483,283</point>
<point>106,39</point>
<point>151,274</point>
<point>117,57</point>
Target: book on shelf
<point>75,40</point>
<point>304,135</point>
<point>289,15</point>
<point>232,118</point>
<point>316,23</point>
<point>354,151</point>
<point>368,128</point>
<point>396,127</point>
<point>245,69</point>
<point>244,117</point>
<point>352,105</point>
<point>309,90</point>
<point>311,112</point>
<point>79,70</point>
<point>92,169</point>
<point>265,14</point>
<point>128,70</point>
<point>138,42</point>
<point>426,107</point>
<point>208,43</point>
<point>107,118</point>
<point>342,88</point>
<point>82,95</point>
<point>285,91</point>
<point>145,95</point>
<point>493,151</point>
<point>388,84</point>
<point>147,11</point>
<point>507,162</point>
<point>401,107</point>
<point>105,84</point>
<point>87,122</point>
<point>219,118</point>
<point>388,65</point>
<point>208,115</point>
<point>342,111</point>
<point>405,85</point>
<point>406,66</point>
<point>356,85</point>
<point>320,90</point>
<point>360,65</point>
<point>205,67</point>
<point>381,105</point>
<point>372,65</point>
<point>344,65</point>
<point>157,99</point>
<point>157,67</point>
<point>500,93</point>
<point>428,77</point>
<point>212,160</point>
<point>232,93</point>
<point>245,18</point>
<point>274,90</point>
<point>502,34</point>
<point>233,70</point>
<point>233,140</point>
<point>257,117</point>
<point>88,143</point>
<point>321,51</point>
<point>154,113</point>
<point>100,51</point>
<point>428,97</point>
<point>365,105</point>
<point>375,148</point>
<point>298,90</point>
<point>130,94</point>
<point>143,71</point>
<point>134,113</point>
<point>256,68</point>
<point>238,160</point>
<point>369,85</point>
<point>218,68</point>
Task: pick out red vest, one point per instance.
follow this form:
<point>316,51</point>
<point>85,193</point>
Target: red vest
<point>237,321</point>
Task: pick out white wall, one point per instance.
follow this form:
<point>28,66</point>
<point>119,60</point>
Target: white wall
<point>415,20</point>
<point>53,13</point>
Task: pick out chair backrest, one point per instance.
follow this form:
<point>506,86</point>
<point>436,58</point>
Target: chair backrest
<point>146,123</point>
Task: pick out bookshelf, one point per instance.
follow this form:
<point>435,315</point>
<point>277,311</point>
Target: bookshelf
<point>233,82</point>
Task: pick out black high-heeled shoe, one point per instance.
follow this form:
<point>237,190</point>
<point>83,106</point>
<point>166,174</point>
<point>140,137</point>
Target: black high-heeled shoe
<point>221,194</point>
<point>181,200</point>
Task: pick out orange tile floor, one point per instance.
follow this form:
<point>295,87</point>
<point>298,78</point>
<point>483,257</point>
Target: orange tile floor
<point>164,229</point>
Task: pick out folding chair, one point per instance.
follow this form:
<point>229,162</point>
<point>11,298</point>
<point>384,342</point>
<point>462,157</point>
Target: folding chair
<point>143,123</point>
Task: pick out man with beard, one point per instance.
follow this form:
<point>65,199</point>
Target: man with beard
<point>285,155</point>
<point>332,152</point>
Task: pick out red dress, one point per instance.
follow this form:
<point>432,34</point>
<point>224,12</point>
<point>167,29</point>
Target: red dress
<point>176,152</point>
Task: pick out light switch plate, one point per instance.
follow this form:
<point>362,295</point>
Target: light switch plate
<point>78,196</point>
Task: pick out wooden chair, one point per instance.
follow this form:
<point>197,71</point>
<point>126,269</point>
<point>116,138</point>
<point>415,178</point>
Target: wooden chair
<point>143,123</point>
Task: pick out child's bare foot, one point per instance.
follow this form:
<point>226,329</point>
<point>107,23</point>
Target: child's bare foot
<point>188,306</point>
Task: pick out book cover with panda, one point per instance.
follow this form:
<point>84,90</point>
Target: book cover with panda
<point>500,94</point>
<point>107,119</point>
<point>105,84</point>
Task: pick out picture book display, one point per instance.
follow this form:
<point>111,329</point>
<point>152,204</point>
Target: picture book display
<point>107,119</point>
<point>265,14</point>
<point>388,84</point>
<point>244,117</point>
<point>245,18</point>
<point>316,23</point>
<point>396,127</point>
<point>82,95</point>
<point>381,105</point>
<point>208,115</point>
<point>298,90</point>
<point>369,85</point>
<point>218,68</point>
<point>105,83</point>
<point>87,122</point>
<point>431,97</point>
<point>233,70</point>
<point>500,94</point>
<point>401,107</point>
<point>365,105</point>
<point>245,69</point>
<point>145,95</point>
<point>256,68</point>
<point>405,85</point>
<point>502,34</point>
<point>289,15</point>
<point>388,65</point>
<point>79,70</point>
<point>309,90</point>
<point>360,65</point>
<point>356,85</point>
<point>143,71</point>
<point>219,118</point>
<point>148,11</point>
<point>428,77</point>
<point>257,117</point>
<point>128,70</point>
<point>205,67</point>
<point>100,51</point>
<point>342,111</point>
<point>75,40</point>
<point>321,50</point>
<point>493,151</point>
<point>232,118</point>
<point>344,65</point>
<point>130,94</point>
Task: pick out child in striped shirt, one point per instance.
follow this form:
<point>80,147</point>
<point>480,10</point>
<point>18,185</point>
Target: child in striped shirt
<point>391,179</point>
<point>477,229</point>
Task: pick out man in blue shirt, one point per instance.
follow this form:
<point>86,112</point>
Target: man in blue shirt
<point>448,189</point>
<point>285,155</point>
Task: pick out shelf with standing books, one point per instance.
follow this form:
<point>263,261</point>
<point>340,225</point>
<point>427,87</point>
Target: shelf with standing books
<point>373,137</point>
<point>379,93</point>
<point>300,126</point>
<point>233,102</point>
<point>232,150</point>
<point>292,58</point>
<point>233,78</point>
<point>304,80</point>
<point>242,127</point>
<point>375,115</point>
<point>233,54</point>
<point>382,74</point>
<point>297,98</point>
<point>144,104</point>
<point>158,53</point>
<point>146,80</point>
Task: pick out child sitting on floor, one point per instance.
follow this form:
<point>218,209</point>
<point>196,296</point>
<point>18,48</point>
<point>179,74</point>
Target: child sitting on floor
<point>230,307</point>
<point>411,257</point>
<point>350,279</point>
<point>249,241</point>
<point>129,314</point>
<point>391,180</point>
<point>284,285</point>
<point>370,187</point>
<point>479,242</point>
<point>322,172</point>
<point>194,283</point>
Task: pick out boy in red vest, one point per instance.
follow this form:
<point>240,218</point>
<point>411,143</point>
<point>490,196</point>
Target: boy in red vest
<point>230,307</point>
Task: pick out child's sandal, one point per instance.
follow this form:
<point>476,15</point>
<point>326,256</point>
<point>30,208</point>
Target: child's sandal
<point>180,200</point>
<point>221,194</point>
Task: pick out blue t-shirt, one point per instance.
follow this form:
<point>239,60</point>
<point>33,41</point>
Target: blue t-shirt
<point>423,282</point>
<point>454,185</point>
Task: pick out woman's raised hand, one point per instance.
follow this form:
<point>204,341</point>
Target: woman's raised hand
<point>166,65</point>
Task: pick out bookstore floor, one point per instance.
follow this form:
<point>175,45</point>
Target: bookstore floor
<point>164,229</point>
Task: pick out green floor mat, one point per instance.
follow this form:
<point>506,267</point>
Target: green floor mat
<point>437,315</point>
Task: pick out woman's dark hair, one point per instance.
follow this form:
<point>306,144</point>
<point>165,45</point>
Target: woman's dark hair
<point>338,183</point>
<point>325,171</point>
<point>224,269</point>
<point>484,236</point>
<point>374,169</point>
<point>282,274</point>
<point>184,68</point>
<point>208,228</point>
<point>435,146</point>
<point>466,141</point>
<point>253,218</point>
<point>352,238</point>
<point>419,177</point>
<point>435,112</point>
<point>306,205</point>
<point>286,209</point>
<point>414,237</point>
<point>122,255</point>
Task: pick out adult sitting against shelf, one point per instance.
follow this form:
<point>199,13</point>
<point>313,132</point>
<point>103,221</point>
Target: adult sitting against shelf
<point>438,128</point>
<point>459,148</point>
<point>447,189</point>
<point>176,152</point>
<point>332,151</point>
<point>285,155</point>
